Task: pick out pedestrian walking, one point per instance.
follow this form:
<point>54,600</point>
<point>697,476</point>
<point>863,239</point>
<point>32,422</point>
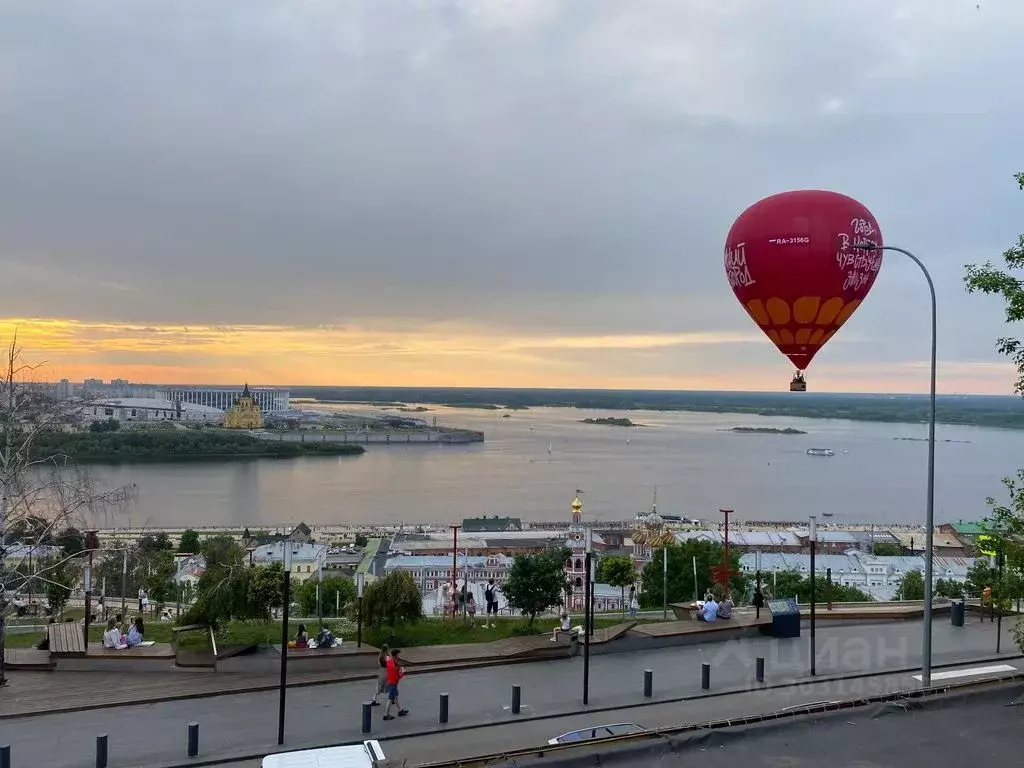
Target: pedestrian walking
<point>382,674</point>
<point>395,672</point>
<point>491,598</point>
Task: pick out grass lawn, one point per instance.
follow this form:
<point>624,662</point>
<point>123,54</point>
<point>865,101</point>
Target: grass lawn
<point>426,632</point>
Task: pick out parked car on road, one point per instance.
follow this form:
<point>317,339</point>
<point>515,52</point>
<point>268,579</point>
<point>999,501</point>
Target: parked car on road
<point>598,732</point>
<point>365,755</point>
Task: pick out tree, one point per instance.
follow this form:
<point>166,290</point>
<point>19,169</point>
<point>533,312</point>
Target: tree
<point>337,593</point>
<point>392,600</point>
<point>618,571</point>
<point>189,542</point>
<point>990,279</point>
<point>41,493</point>
<point>223,590</point>
<point>361,541</point>
<point>886,549</point>
<point>912,586</point>
<point>537,582</point>
<point>58,587</point>
<point>949,588</point>
<point>71,541</point>
<point>783,584</point>
<point>681,585</point>
<point>110,425</point>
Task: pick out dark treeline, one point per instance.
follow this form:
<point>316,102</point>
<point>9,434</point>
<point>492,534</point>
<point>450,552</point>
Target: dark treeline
<point>176,445</point>
<point>972,410</point>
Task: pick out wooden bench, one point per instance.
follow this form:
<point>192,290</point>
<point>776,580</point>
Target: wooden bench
<point>346,657</point>
<point>66,640</point>
<point>158,657</point>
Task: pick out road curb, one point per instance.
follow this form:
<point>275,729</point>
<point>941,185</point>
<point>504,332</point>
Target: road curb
<point>802,709</point>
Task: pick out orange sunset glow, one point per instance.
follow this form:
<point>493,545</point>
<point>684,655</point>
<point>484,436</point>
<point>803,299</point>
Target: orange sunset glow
<point>439,355</point>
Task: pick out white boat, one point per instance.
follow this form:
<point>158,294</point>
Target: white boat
<point>820,452</point>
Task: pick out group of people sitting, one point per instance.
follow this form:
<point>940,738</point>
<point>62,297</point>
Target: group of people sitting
<point>324,639</point>
<point>115,638</point>
<point>711,610</point>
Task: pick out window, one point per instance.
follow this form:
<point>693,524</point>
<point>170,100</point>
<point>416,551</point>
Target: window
<point>108,411</point>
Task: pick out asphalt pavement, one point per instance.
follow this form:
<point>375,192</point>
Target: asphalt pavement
<point>792,746</point>
<point>331,713</point>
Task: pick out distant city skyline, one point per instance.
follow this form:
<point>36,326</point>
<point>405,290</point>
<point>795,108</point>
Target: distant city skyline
<point>507,194</point>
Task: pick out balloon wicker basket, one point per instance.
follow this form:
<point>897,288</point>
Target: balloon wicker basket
<point>798,384</point>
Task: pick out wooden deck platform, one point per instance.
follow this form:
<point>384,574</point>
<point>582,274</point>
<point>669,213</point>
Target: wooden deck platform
<point>66,640</point>
<point>157,657</point>
<point>27,659</point>
<point>738,622</point>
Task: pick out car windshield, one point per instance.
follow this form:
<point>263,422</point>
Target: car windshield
<point>600,732</point>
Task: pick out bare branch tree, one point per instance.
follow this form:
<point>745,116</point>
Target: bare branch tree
<point>40,495</point>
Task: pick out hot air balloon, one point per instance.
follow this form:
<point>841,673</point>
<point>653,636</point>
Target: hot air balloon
<point>794,263</point>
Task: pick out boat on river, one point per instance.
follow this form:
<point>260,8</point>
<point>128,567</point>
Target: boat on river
<point>820,452</point>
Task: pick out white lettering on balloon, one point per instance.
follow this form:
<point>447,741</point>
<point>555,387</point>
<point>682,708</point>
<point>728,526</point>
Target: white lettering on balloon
<point>736,268</point>
<point>859,265</point>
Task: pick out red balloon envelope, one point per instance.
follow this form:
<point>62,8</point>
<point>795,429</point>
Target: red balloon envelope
<point>793,262</point>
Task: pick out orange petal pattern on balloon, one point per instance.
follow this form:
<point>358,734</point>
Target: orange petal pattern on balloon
<point>792,329</point>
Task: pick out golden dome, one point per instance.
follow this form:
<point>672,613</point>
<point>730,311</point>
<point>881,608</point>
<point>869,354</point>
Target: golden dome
<point>577,505</point>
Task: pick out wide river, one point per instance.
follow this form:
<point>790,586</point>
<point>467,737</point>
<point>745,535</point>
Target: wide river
<point>532,463</point>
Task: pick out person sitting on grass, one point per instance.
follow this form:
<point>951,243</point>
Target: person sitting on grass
<point>471,608</point>
<point>136,633</point>
<point>564,626</point>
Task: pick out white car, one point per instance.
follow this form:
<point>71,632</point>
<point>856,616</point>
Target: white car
<point>365,755</point>
<point>597,732</point>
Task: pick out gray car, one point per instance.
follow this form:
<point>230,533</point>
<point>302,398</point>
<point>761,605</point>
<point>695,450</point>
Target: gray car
<point>598,732</point>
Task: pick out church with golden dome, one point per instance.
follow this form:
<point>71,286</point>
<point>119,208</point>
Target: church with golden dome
<point>245,413</point>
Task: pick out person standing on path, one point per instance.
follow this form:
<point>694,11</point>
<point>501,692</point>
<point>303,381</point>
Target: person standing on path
<point>395,672</point>
<point>491,596</point>
<point>382,674</point>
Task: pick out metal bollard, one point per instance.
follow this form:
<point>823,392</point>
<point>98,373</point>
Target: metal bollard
<point>516,700</point>
<point>442,710</point>
<point>5,756</point>
<point>193,739</point>
<point>760,669</point>
<point>705,676</point>
<point>101,751</point>
<point>648,683</point>
<point>367,716</point>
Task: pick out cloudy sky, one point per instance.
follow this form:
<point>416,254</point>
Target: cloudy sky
<point>491,192</point>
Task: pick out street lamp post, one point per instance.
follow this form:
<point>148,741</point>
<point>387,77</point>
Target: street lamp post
<point>664,583</point>
<point>320,594</point>
<point>926,643</point>
<point>813,537</point>
<point>588,617</point>
<point>286,599</point>
<point>92,542</point>
<point>360,581</point>
<point>124,582</point>
<point>758,598</point>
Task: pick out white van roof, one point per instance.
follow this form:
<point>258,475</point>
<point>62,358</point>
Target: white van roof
<point>365,755</point>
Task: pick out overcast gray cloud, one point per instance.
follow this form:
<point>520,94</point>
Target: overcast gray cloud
<point>535,165</point>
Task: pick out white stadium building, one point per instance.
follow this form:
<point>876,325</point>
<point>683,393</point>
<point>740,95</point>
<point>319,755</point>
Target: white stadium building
<point>269,399</point>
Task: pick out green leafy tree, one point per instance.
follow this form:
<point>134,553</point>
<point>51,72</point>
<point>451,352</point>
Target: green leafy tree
<point>222,592</point>
<point>189,542</point>
<point>263,586</point>
<point>680,572</point>
<point>887,549</point>
<point>59,581</point>
<point>785,584</point>
<point>71,541</point>
<point>537,582</point>
<point>160,572</point>
<point>993,280</point>
<point>949,588</point>
<point>338,593</point>
<point>911,586</point>
<point>109,425</point>
<point>618,571</point>
<point>361,541</point>
<point>392,600</point>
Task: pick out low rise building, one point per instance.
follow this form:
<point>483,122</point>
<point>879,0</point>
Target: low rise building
<point>147,409</point>
<point>877,576</point>
<point>306,558</point>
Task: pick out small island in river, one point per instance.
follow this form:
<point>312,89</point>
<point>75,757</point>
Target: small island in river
<point>767,431</point>
<point>611,421</point>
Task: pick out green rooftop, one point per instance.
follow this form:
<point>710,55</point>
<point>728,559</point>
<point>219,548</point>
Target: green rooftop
<point>372,548</point>
<point>968,529</point>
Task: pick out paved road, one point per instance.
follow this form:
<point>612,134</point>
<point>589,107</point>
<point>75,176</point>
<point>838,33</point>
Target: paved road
<point>330,713</point>
<point>523,735</point>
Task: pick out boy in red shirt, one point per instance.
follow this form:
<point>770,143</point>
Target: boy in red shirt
<point>395,671</point>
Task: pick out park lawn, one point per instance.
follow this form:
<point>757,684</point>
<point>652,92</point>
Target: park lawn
<point>426,632</point>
